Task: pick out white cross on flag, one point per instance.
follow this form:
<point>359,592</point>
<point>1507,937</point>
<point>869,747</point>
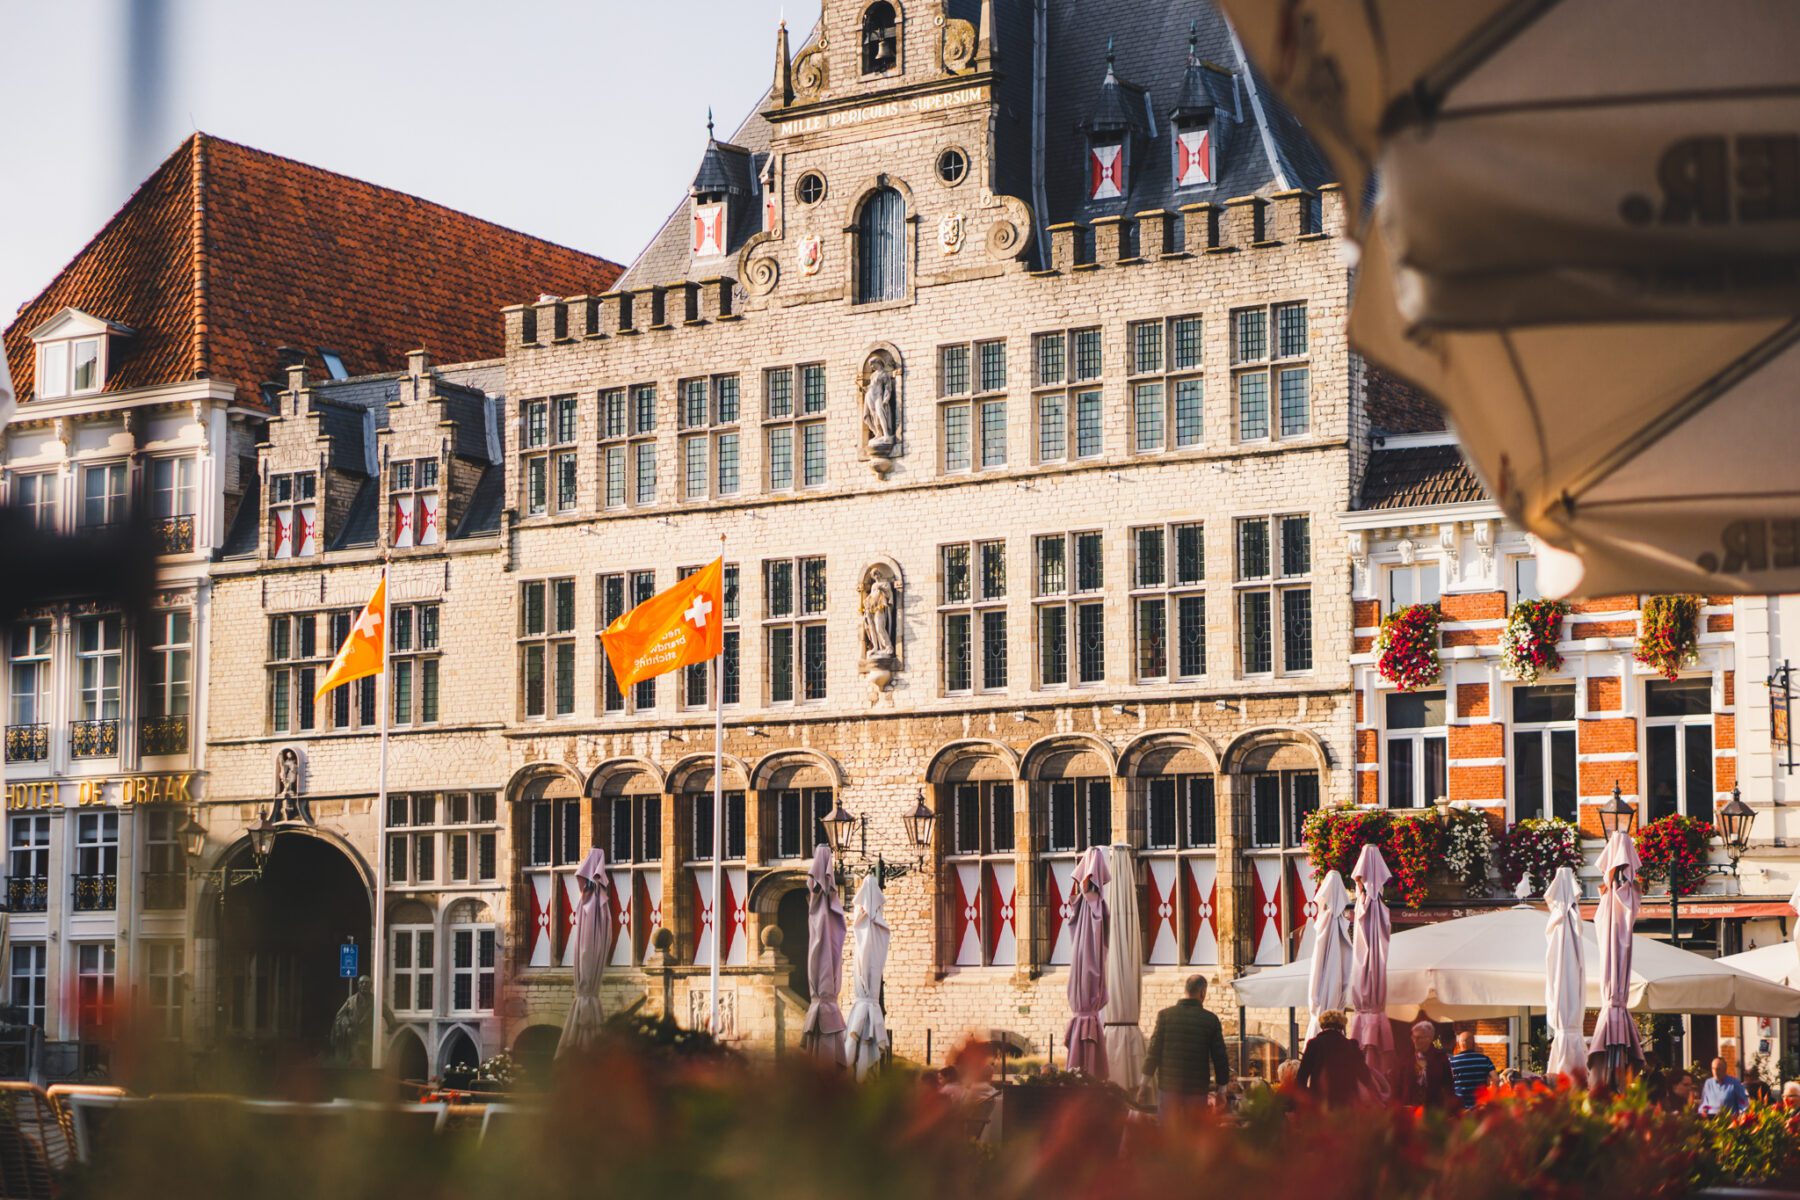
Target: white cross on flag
<point>672,629</point>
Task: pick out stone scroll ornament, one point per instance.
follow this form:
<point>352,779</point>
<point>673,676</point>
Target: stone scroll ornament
<point>959,45</point>
<point>878,602</point>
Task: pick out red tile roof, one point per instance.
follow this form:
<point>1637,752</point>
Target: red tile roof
<point>226,253</point>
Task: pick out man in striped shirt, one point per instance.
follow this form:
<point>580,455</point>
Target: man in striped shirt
<point>1470,1069</point>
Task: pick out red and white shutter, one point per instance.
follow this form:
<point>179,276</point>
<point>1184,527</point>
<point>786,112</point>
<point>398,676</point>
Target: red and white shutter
<point>1202,911</point>
<point>620,906</point>
<point>428,519</point>
<point>1106,172</point>
<point>968,915</point>
<point>541,911</point>
<point>1159,912</point>
<point>1266,917</point>
<point>1193,157</point>
<point>306,530</point>
<point>735,899</point>
<point>568,897</point>
<point>709,230</point>
<point>1305,905</point>
<point>281,533</point>
<point>1061,907</point>
<point>1002,914</point>
<point>703,915</point>
<point>403,521</point>
<point>649,907</point>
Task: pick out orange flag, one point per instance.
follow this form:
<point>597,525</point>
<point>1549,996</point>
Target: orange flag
<point>360,655</point>
<point>683,625</point>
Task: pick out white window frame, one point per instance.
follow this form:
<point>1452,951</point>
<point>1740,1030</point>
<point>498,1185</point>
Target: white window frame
<point>35,979</point>
<point>1405,584</point>
<point>1415,737</point>
<point>990,850</point>
<point>114,499</point>
<point>707,433</point>
<point>103,974</point>
<point>1544,766</point>
<point>1271,366</point>
<point>1172,593</point>
<point>1681,724</point>
<point>30,672</point>
<point>44,488</point>
<point>418,968</point>
<point>56,379</point>
<point>795,401</point>
<point>100,672</point>
<point>411,483</point>
<point>165,985</point>
<point>976,393</point>
<point>482,940</point>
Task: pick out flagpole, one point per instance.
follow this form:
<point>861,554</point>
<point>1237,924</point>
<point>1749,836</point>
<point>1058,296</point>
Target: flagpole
<point>718,699</point>
<point>378,936</point>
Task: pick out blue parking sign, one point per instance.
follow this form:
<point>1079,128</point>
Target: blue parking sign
<point>347,961</point>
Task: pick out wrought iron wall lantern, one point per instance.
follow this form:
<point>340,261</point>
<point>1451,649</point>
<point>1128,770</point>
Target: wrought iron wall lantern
<point>1733,821</point>
<point>853,864</point>
<point>224,877</point>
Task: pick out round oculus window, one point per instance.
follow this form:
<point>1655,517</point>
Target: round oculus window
<point>952,165</point>
<point>811,188</point>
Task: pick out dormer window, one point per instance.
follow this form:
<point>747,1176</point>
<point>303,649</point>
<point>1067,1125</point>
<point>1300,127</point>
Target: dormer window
<point>709,226</point>
<point>71,354</point>
<point>69,368</point>
<point>1193,156</point>
<point>1106,171</point>
<point>880,38</point>
<point>293,515</point>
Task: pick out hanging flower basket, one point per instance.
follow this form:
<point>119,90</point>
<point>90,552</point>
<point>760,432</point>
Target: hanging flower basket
<point>1670,634</point>
<point>1409,647</point>
<point>1674,850</point>
<point>1528,643</point>
<point>1535,848</point>
<point>1469,851</point>
<point>1413,846</point>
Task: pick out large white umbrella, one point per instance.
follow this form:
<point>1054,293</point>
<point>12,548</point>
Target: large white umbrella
<point>1492,965</point>
<point>1124,974</point>
<point>1591,260</point>
<point>1328,976</point>
<point>1565,976</point>
<point>822,1031</point>
<point>866,1026</point>
<point>1370,938</point>
<point>1776,962</point>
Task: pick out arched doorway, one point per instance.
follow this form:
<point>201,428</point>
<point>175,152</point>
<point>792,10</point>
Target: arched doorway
<point>790,915</point>
<point>458,1055</point>
<point>279,938</point>
<point>407,1058</point>
<point>535,1050</point>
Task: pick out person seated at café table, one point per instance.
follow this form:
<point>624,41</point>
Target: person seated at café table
<point>1722,1092</point>
<point>1470,1069</point>
<point>1790,1094</point>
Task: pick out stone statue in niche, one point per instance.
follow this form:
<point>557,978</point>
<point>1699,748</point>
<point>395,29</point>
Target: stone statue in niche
<point>286,804</point>
<point>878,600</point>
<point>881,410</point>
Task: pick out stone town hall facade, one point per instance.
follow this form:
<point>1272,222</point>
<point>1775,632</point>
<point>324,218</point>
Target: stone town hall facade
<point>1029,315</point>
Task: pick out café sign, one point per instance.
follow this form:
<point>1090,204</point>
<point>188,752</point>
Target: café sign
<point>122,791</point>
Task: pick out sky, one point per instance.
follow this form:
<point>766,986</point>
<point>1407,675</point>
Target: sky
<point>580,121</point>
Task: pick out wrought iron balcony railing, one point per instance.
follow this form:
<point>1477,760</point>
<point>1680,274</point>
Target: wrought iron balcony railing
<point>94,739</point>
<point>165,889</point>
<point>175,535</point>
<point>27,893</point>
<point>96,893</point>
<point>27,743</point>
<point>163,735</point>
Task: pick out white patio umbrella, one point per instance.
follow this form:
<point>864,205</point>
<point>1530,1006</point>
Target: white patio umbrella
<point>822,1031</point>
<point>1328,976</point>
<point>1124,974</point>
<point>1590,260</point>
<point>1565,977</point>
<point>1776,962</point>
<point>1492,965</point>
<point>1370,939</point>
<point>866,1026</point>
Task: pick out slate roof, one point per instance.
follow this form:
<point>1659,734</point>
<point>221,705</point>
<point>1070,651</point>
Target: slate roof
<point>345,428</point>
<point>1150,45</point>
<point>485,503</point>
<point>240,539</point>
<point>361,524</point>
<point>226,253</point>
<point>1419,477</point>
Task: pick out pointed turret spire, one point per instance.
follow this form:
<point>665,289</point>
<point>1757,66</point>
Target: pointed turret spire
<point>782,93</point>
<point>709,125</point>
<point>986,53</point>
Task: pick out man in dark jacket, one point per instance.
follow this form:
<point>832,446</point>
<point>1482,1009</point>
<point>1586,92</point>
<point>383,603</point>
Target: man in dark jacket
<point>1187,1052</point>
<point>1332,1066</point>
